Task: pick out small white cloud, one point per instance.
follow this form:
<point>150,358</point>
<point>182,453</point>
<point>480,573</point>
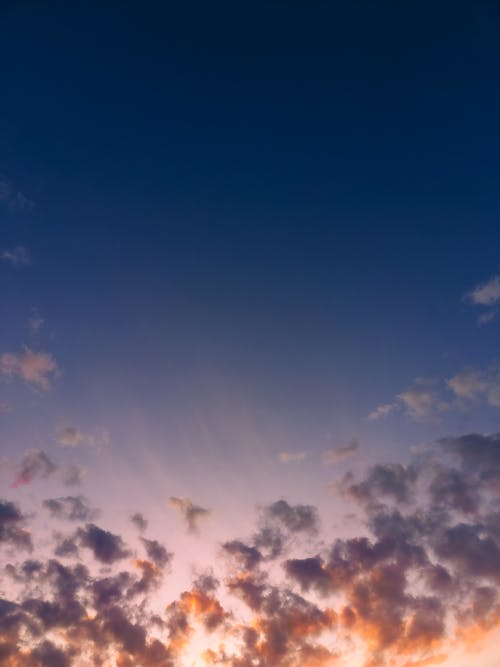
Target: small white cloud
<point>35,368</point>
<point>18,256</point>
<point>293,457</point>
<point>486,294</point>
<point>338,454</point>
<point>381,411</point>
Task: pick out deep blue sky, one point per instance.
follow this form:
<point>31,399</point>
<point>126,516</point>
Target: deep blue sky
<point>289,197</point>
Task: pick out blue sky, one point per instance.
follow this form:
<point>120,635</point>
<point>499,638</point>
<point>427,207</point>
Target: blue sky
<point>248,246</point>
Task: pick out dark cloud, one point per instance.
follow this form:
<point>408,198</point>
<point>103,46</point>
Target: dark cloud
<point>70,508</point>
<point>12,530</point>
<point>422,572</point>
<point>450,489</point>
<point>247,556</point>
<point>156,552</point>
<point>394,481</point>
<point>478,454</point>
<point>139,521</point>
<point>106,547</point>
<point>294,518</point>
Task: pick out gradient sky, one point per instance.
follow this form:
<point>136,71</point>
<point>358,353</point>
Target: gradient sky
<point>250,289</point>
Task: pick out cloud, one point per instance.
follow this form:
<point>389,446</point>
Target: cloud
<point>71,436</point>
<point>418,575</point>
<point>422,400</point>
<point>106,547</point>
<point>156,552</point>
<point>192,514</point>
<point>293,457</point>
<point>12,531</point>
<point>472,384</point>
<point>70,508</point>
<point>293,518</point>
<point>72,474</point>
<point>392,480</point>
<point>340,454</point>
<point>428,399</point>
<point>139,521</point>
<point>34,464</point>
<point>35,368</point>
<point>469,383</point>
<point>487,295</point>
<point>247,556</point>
<point>381,411</point>
<point>18,256</point>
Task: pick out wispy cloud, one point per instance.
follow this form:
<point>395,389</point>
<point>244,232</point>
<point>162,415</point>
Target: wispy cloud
<point>34,464</point>
<point>338,454</point>
<point>381,411</point>
<point>35,368</point>
<point>72,436</point>
<point>293,457</point>
<point>72,474</point>
<point>422,400</point>
<point>487,295</point>
<point>18,256</point>
<point>191,513</point>
<point>35,321</point>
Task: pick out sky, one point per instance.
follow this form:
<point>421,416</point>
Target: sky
<point>250,311</point>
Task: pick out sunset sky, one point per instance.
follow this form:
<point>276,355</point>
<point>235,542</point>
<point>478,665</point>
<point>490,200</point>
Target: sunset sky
<point>249,341</point>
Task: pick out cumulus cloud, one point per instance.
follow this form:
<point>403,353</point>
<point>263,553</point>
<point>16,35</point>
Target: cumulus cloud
<point>70,508</point>
<point>192,514</point>
<point>421,575</point>
<point>106,547</point>
<point>18,256</point>
<point>487,295</point>
<point>12,530</point>
<point>36,369</point>
<point>156,552</point>
<point>339,454</point>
